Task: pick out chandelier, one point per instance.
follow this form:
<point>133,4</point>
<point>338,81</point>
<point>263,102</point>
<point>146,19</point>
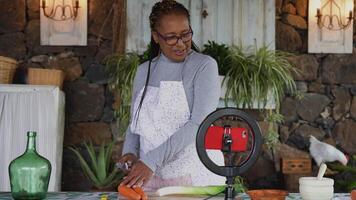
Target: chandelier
<point>61,11</point>
<point>330,17</point>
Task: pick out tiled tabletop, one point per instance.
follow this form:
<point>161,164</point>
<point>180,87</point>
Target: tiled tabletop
<point>114,196</point>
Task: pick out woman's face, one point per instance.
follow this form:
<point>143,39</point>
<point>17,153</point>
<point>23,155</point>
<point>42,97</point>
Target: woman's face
<point>173,34</point>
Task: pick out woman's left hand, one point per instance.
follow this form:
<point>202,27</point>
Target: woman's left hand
<point>138,176</point>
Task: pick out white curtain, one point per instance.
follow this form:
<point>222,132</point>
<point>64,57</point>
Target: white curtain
<point>31,108</point>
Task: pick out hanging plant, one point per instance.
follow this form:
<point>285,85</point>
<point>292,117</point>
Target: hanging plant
<point>255,78</point>
<point>122,70</point>
<point>254,74</point>
<point>220,53</point>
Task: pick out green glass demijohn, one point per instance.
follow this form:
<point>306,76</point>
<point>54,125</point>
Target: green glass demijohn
<point>29,173</point>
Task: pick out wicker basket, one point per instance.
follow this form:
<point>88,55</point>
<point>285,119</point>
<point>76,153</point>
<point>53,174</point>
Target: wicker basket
<point>7,69</point>
<point>37,76</point>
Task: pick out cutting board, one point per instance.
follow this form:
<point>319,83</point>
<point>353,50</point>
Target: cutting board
<point>152,196</point>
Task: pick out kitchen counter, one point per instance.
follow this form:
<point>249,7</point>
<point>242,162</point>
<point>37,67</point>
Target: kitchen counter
<point>114,196</point>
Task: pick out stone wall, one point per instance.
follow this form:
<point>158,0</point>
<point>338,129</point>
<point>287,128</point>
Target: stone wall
<point>327,82</point>
<point>89,113</point>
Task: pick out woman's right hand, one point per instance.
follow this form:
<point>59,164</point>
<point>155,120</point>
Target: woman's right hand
<point>130,159</point>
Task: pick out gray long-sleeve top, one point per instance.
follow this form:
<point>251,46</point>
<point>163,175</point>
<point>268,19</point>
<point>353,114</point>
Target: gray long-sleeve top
<point>202,88</point>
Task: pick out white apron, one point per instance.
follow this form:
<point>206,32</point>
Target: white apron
<point>164,110</point>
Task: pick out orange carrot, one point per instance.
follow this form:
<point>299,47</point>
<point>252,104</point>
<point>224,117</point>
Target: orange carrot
<point>140,191</point>
<point>128,192</point>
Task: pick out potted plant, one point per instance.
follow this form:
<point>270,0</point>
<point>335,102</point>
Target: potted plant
<point>255,78</point>
<point>251,75</point>
<point>345,176</point>
<point>101,171</point>
<point>122,70</point>
<point>254,74</point>
<point>219,52</point>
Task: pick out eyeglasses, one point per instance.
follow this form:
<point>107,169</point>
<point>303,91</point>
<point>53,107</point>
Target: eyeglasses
<point>173,40</point>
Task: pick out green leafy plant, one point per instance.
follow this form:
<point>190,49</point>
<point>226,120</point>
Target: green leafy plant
<point>101,171</point>
<point>345,180</point>
<point>122,70</point>
<point>254,74</point>
<point>220,53</point>
<point>145,56</point>
<point>272,136</point>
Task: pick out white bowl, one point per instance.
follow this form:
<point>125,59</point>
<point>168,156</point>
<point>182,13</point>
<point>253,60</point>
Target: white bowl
<point>310,188</point>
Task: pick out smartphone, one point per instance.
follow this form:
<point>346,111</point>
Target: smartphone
<point>214,138</point>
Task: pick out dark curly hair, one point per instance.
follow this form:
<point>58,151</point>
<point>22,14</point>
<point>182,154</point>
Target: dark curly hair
<point>160,9</point>
<point>164,8</point>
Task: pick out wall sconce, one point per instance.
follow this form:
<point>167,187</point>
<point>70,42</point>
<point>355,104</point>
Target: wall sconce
<point>64,22</point>
<point>60,12</point>
<point>333,17</point>
<point>330,26</point>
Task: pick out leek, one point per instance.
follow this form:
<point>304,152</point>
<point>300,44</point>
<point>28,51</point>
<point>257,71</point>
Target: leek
<point>191,190</point>
<point>197,190</point>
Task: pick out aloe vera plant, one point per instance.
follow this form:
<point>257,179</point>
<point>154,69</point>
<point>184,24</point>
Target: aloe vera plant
<point>101,171</point>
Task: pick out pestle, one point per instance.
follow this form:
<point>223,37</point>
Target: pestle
<point>321,171</point>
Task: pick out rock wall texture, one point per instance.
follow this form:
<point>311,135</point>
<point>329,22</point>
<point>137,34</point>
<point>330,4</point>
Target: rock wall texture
<point>89,112</point>
<point>327,82</point>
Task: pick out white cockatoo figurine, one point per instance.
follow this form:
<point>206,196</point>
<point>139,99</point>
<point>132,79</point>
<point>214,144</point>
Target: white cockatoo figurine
<point>322,152</point>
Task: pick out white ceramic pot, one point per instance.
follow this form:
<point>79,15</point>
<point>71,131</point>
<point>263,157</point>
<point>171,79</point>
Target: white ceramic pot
<point>310,188</point>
